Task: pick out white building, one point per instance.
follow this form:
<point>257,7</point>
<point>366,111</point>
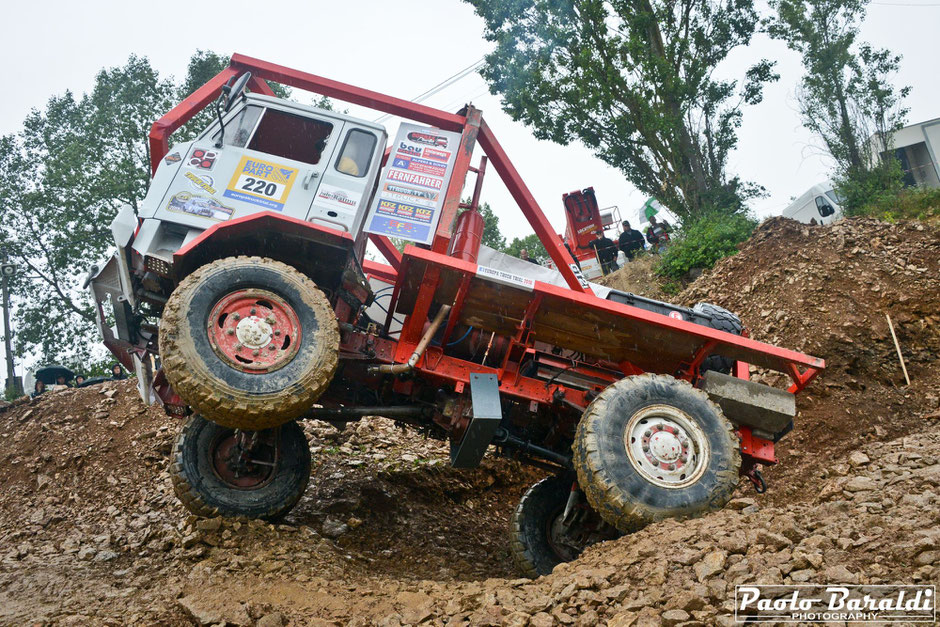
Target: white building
<point>916,147</point>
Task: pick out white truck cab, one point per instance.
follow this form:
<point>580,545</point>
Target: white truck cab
<point>272,155</point>
<point>820,203</point>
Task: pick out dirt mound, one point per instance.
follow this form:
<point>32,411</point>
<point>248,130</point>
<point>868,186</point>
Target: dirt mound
<point>93,535</point>
<point>825,290</point>
<point>638,277</point>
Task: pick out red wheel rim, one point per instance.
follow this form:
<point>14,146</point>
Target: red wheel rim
<point>238,468</point>
<point>254,331</point>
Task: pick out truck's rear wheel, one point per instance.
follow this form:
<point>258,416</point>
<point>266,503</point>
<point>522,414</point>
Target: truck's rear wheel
<point>217,471</point>
<point>652,447</point>
<point>249,342</point>
<point>533,542</point>
<point>722,320</point>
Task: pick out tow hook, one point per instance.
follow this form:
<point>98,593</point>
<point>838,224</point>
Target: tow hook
<point>757,480</point>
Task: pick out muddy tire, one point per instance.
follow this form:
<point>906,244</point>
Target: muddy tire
<point>652,447</point>
<point>530,527</point>
<point>722,320</point>
<point>207,486</point>
<point>229,342</point>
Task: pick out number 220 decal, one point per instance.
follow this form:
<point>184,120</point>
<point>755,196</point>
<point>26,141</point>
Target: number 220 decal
<point>261,183</point>
<point>259,186</point>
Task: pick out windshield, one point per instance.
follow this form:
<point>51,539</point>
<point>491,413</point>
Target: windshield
<point>278,133</point>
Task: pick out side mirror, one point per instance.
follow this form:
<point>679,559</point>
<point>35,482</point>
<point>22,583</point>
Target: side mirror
<point>823,207</point>
<point>233,93</point>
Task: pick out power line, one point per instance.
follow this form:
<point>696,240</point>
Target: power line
<point>447,82</point>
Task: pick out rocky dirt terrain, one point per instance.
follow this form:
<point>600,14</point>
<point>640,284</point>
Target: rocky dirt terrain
<point>91,533</point>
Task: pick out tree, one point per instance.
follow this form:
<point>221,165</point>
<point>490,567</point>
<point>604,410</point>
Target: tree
<point>845,96</point>
<point>635,82</point>
<point>531,243</point>
<point>62,180</point>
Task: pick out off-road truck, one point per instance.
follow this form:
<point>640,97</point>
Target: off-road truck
<point>242,296</point>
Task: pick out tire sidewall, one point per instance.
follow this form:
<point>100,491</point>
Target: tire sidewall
<point>626,398</point>
<point>227,280</point>
<point>271,500</point>
<point>540,505</point>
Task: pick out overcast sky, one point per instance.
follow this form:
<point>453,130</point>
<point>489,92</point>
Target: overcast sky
<point>405,47</point>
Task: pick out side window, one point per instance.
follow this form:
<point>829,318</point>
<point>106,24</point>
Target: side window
<point>356,154</point>
<point>823,207</point>
<point>238,130</point>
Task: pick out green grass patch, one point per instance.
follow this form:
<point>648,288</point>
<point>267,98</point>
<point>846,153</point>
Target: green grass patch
<point>700,244</point>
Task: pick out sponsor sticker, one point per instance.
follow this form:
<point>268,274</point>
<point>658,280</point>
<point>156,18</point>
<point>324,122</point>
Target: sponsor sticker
<point>429,139</point>
<point>400,228</point>
<point>437,155</point>
<point>202,159</point>
<point>171,159</point>
<point>415,179</point>
<point>416,164</point>
<point>333,196</point>
<point>577,273</point>
<point>813,603</point>
<point>201,182</point>
<point>676,315</point>
<point>408,149</point>
<point>403,210</point>
<point>194,205</point>
<point>261,183</point>
<point>506,278</point>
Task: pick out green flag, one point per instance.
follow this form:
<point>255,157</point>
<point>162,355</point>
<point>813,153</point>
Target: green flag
<point>651,208</point>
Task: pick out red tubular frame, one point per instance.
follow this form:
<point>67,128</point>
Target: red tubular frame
<point>434,364</point>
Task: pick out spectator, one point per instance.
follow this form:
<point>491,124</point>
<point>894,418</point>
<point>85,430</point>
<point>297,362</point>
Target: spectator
<point>657,234</point>
<point>524,255</point>
<point>38,388</point>
<point>568,248</point>
<point>60,380</point>
<point>79,379</point>
<point>117,373</point>
<point>630,241</point>
<point>606,252</point>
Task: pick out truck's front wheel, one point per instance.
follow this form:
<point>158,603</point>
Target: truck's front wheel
<point>248,342</point>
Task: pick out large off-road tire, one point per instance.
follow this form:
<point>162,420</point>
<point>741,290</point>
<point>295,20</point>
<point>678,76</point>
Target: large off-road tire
<point>530,528</point>
<point>229,342</point>
<point>208,485</point>
<point>652,447</point>
<point>722,320</point>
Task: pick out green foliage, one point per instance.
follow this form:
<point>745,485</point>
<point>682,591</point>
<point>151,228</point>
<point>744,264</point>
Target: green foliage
<point>531,243</point>
<point>877,186</point>
<point>846,95</point>
<point>702,242</point>
<point>913,203</point>
<point>636,83</point>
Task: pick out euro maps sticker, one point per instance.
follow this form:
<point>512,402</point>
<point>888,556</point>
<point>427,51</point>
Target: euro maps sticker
<point>261,182</point>
<point>411,193</point>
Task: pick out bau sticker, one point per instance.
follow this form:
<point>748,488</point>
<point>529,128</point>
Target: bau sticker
<point>202,158</point>
<point>194,205</point>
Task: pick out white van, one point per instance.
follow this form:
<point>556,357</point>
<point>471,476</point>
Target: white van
<point>820,203</point>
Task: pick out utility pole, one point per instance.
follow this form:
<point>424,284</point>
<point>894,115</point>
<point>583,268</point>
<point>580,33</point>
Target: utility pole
<point>8,271</point>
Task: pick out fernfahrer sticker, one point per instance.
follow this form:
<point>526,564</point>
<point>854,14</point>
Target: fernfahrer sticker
<point>261,183</point>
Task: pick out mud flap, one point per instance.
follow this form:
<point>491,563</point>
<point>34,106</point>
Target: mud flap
<point>487,414</point>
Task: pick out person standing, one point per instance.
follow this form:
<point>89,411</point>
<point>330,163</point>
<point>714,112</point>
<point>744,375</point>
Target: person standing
<point>524,255</point>
<point>117,373</point>
<point>606,252</point>
<point>630,241</point>
<point>657,234</point>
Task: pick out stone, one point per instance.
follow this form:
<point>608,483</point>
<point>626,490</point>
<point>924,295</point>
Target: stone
<point>275,619</point>
<point>927,557</point>
<point>543,620</point>
<point>209,524</point>
<point>333,528</point>
<point>711,564</point>
<point>105,556</point>
<point>775,540</point>
<point>860,484</point>
<point>209,612</point>
<point>858,458</point>
<point>840,574</point>
<point>623,619</point>
<point>674,617</point>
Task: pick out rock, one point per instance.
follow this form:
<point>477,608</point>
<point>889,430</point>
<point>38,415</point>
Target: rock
<point>209,524</point>
<point>774,540</point>
<point>711,564</point>
<point>545,620</point>
<point>860,484</point>
<point>802,576</point>
<point>840,574</point>
<point>212,611</point>
<point>333,528</point>
<point>927,557</point>
<point>859,458</point>
<point>674,617</point>
<point>741,503</point>
<point>105,556</point>
<point>275,619</point>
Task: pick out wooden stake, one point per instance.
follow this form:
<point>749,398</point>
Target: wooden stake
<point>898,346</point>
